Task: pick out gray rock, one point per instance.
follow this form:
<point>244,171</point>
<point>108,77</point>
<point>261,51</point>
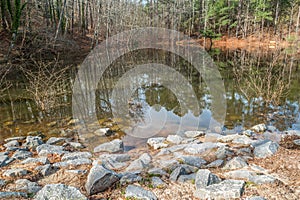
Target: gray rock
<point>33,141</point>
<point>200,148</point>
<point>205,178</point>
<point>157,182</point>
<point>137,192</point>
<point>189,169</point>
<point>256,198</point>
<point>244,151</point>
<point>2,183</point>
<point>215,164</point>
<point>227,189</point>
<point>43,160</point>
<point>157,143</point>
<point>297,142</point>
<point>130,178</point>
<point>177,172</point>
<point>116,157</point>
<point>266,149</point>
<point>169,165</point>
<point>3,160</point>
<point>262,179</point>
<point>46,149</point>
<point>24,185</point>
<point>186,178</point>
<point>175,139</point>
<point>223,152</point>
<point>12,149</point>
<point>177,147</point>
<point>272,128</point>
<point>76,155</point>
<point>240,174</point>
<point>228,138</point>
<point>259,128</point>
<point>13,143</point>
<point>14,138</point>
<point>55,140</point>
<point>75,162</point>
<point>20,155</point>
<point>76,145</point>
<point>112,146</point>
<point>15,172</point>
<point>293,132</point>
<point>157,172</point>
<point>6,195</point>
<point>5,153</point>
<point>58,192</point>
<point>248,133</point>
<point>235,163</point>
<point>102,131</point>
<point>141,163</point>
<point>112,164</point>
<point>243,140</point>
<point>193,134</point>
<point>46,170</point>
<point>191,160</point>
<point>100,179</point>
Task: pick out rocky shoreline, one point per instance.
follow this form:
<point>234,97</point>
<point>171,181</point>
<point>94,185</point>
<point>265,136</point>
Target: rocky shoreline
<point>195,165</point>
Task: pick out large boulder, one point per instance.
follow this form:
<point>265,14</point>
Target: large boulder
<point>59,192</point>
<point>266,149</point>
<point>228,189</point>
<point>205,178</point>
<point>100,179</point>
<point>137,192</point>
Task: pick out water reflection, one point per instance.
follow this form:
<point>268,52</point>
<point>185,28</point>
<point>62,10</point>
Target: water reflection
<point>260,87</point>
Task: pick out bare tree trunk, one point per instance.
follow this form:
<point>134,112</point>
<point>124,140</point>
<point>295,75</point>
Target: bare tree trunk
<point>60,19</point>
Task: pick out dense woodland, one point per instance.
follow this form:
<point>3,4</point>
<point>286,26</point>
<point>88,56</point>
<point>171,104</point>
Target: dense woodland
<point>101,19</point>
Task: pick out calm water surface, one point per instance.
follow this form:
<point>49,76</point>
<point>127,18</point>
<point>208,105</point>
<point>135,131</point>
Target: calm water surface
<point>261,87</point>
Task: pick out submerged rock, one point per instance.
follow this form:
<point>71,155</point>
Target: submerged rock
<point>58,192</point>
<point>227,189</point>
<point>100,179</point>
<point>138,192</point>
